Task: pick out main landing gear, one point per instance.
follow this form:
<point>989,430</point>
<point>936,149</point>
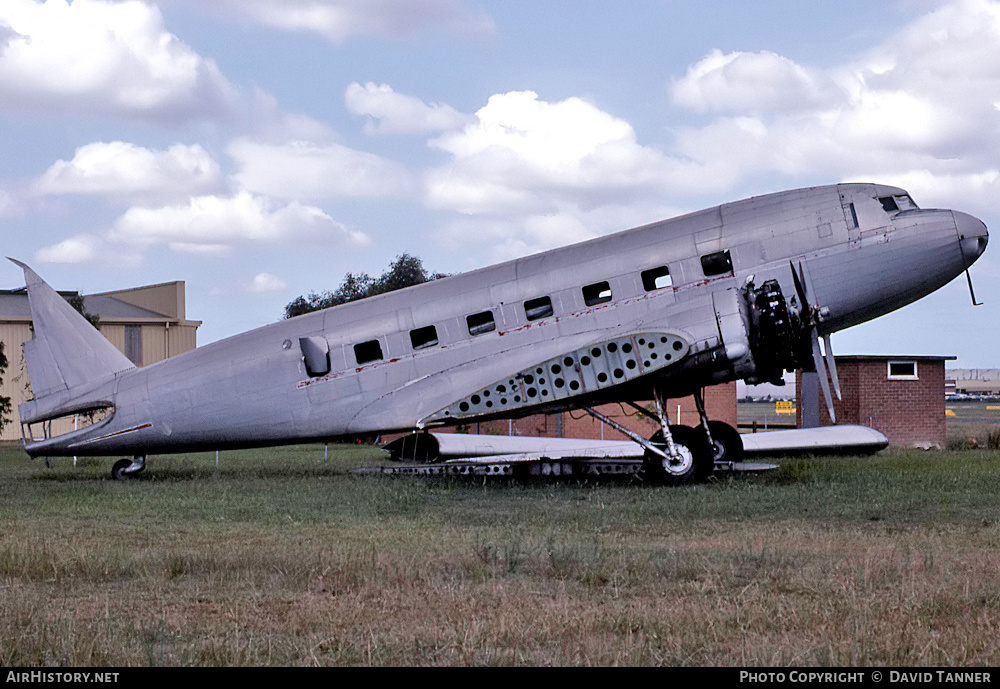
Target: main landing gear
<point>125,468</point>
<point>680,455</point>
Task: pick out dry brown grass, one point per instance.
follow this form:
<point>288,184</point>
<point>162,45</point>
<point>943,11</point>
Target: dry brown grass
<point>827,563</point>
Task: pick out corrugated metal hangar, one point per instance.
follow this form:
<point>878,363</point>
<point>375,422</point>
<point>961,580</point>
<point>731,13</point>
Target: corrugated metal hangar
<point>147,324</point>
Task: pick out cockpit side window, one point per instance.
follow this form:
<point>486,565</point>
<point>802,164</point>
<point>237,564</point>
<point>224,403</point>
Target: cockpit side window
<point>889,204</point>
<point>894,204</point>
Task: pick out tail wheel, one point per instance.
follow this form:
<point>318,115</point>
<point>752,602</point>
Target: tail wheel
<point>727,445</point>
<point>118,472</point>
<point>124,469</point>
<point>694,464</point>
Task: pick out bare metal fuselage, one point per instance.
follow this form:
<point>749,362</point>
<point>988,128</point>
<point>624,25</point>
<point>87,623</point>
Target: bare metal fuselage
<point>415,358</point>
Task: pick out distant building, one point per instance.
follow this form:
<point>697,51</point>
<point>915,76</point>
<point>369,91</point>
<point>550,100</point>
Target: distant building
<point>147,324</point>
<point>975,381</point>
<point>901,396</point>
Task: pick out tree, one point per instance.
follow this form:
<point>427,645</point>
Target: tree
<point>405,271</point>
<point>76,301</point>
<point>5,404</point>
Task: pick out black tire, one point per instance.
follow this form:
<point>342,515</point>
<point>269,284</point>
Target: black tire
<point>727,445</point>
<point>695,466</point>
<point>118,472</point>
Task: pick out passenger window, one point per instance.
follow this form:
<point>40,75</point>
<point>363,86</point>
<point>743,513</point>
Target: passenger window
<point>366,352</point>
<point>656,278</point>
<point>718,263</point>
<point>422,338</point>
<point>538,308</point>
<point>481,323</point>
<point>598,293</point>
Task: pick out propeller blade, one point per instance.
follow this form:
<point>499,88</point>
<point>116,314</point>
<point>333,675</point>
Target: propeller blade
<point>831,363</point>
<point>821,372</point>
<point>799,288</point>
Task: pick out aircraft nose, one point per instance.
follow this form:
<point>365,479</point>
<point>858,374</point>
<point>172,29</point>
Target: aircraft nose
<point>972,234</point>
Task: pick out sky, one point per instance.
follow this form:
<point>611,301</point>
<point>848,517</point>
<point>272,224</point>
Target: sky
<point>261,149</point>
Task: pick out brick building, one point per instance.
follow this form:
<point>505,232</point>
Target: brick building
<point>901,396</point>
<point>720,404</point>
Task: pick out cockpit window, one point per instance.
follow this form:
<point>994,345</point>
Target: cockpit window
<point>889,204</point>
<point>894,204</point>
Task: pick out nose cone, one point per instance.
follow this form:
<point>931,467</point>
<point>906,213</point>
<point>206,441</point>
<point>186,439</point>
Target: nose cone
<point>972,234</point>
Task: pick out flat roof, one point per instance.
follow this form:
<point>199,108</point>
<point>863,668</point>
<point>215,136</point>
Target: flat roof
<point>892,357</point>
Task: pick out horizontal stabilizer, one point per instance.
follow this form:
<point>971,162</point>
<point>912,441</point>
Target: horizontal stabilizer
<point>66,350</point>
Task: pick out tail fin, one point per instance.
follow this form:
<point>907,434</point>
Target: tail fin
<point>66,349</point>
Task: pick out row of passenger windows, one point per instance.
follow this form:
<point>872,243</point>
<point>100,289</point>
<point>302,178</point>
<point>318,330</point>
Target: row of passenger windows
<point>653,279</point>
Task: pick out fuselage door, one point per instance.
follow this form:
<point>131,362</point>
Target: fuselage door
<point>316,355</point>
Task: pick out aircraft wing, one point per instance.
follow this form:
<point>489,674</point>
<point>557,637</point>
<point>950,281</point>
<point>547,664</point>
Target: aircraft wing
<point>494,449</point>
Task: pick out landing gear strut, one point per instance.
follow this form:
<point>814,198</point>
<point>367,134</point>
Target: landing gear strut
<point>724,441</point>
<point>679,455</point>
<point>687,460</point>
<point>125,468</point>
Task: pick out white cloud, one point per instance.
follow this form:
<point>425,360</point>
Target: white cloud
<point>124,169</point>
<point>336,20</point>
<point>78,249</point>
<point>103,57</point>
<point>750,81</point>
<point>214,224</point>
<point>921,106</point>
<point>266,282</point>
<point>527,155</point>
<point>308,170</point>
<point>396,113</point>
<point>9,205</point>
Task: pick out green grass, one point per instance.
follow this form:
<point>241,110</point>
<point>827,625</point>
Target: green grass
<point>282,557</point>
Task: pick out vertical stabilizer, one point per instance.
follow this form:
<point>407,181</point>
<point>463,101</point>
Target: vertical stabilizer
<point>66,350</point>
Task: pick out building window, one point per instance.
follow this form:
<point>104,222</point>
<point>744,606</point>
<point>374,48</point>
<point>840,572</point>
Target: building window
<point>421,338</point>
<point>598,293</point>
<point>367,352</point>
<point>481,323</point>
<point>718,263</point>
<point>902,370</point>
<point>538,308</point>
<point>133,344</point>
<point>656,278</point>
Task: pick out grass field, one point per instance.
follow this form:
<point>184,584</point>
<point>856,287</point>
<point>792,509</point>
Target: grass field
<point>282,557</point>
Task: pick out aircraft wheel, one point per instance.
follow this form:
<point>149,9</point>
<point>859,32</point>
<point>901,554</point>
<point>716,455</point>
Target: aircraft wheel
<point>727,445</point>
<point>118,472</point>
<point>694,466</point>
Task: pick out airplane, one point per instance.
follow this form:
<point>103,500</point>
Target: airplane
<point>745,290</point>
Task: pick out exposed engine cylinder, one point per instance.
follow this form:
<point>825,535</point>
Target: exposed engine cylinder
<point>776,340</point>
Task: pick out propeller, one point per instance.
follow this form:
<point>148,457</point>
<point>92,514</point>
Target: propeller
<point>811,313</point>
